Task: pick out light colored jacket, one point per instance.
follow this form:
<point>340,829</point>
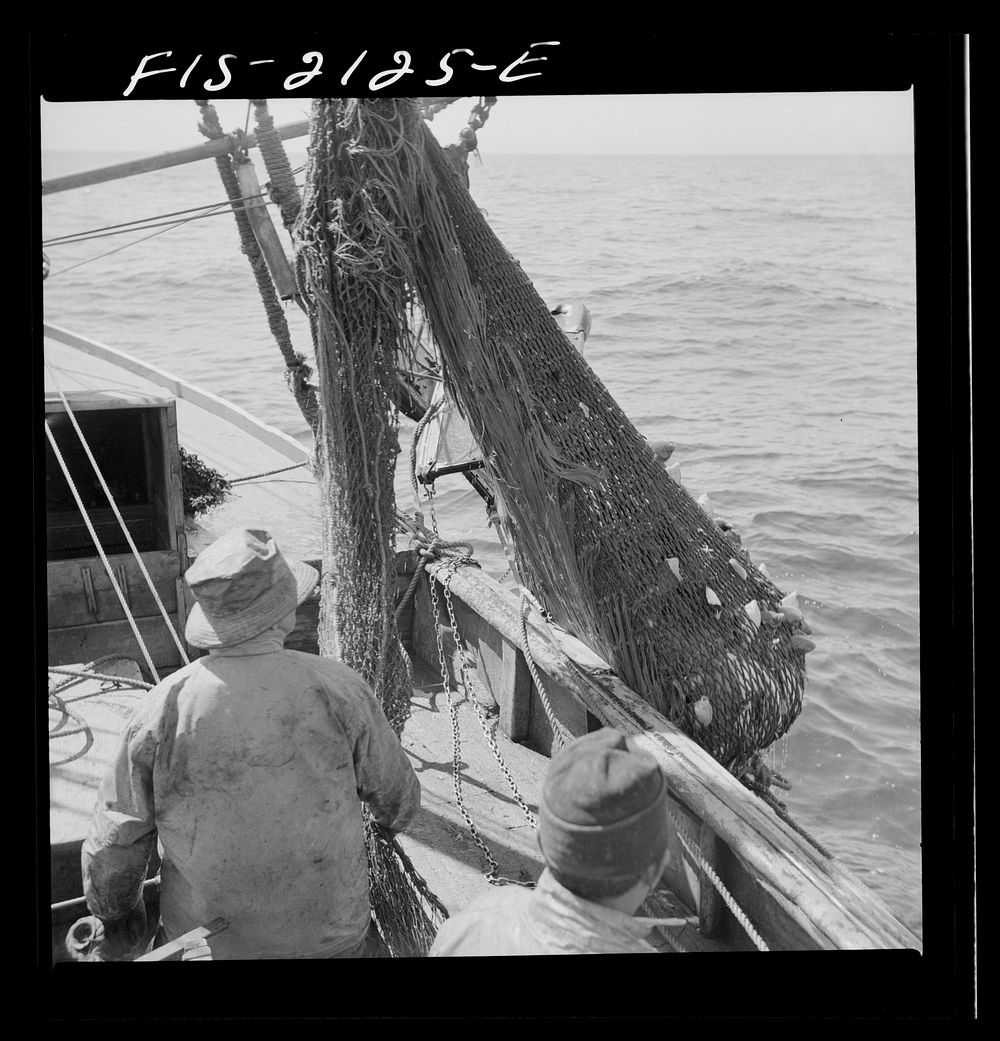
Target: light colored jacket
<point>548,919</point>
<point>250,765</point>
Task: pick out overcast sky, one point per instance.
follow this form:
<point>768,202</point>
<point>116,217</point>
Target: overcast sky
<point>787,123</point>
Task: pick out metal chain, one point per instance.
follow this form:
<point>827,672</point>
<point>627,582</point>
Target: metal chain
<point>493,876</point>
<point>494,872</point>
<point>477,118</point>
<point>452,567</point>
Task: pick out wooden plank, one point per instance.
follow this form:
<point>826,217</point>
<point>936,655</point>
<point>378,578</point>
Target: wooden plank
<point>515,708</point>
<point>424,641</point>
<point>814,893</point>
<point>680,874</point>
<point>536,730</point>
<point>178,157</point>
<point>212,403</point>
<point>712,911</point>
<point>67,536</point>
<point>438,841</point>
<point>566,707</point>
<point>182,593</point>
<point>255,207</point>
<point>67,603</point>
<point>174,483</point>
<point>81,643</point>
<point>504,671</point>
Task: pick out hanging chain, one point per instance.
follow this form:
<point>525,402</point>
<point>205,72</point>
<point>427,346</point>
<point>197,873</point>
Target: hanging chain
<point>493,876</point>
<point>487,730</point>
<point>452,567</point>
<point>477,118</point>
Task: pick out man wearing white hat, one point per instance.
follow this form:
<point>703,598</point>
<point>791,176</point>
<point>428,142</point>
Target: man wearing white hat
<point>250,766</point>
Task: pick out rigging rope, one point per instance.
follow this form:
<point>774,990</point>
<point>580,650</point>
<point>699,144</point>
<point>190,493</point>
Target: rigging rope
<point>695,854</point>
<point>135,242</point>
<point>215,209</point>
<point>268,473</point>
<point>560,734</point>
<point>118,683</point>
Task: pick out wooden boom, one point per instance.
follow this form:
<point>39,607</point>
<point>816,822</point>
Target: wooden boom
<point>220,146</point>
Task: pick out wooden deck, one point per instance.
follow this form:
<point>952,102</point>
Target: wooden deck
<point>439,842</point>
<point>83,735</point>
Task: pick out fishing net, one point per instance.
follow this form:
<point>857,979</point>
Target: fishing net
<point>351,273</point>
<point>619,553</point>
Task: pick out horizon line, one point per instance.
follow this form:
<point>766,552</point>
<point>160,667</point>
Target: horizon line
<point>909,152</point>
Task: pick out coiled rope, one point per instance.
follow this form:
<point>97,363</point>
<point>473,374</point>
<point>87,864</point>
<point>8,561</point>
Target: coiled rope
<point>77,675</point>
<point>215,209</point>
<point>284,190</point>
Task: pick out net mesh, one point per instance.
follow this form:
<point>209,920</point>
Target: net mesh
<point>350,272</point>
<point>617,551</point>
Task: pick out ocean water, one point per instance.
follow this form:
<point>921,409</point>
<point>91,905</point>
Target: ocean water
<point>757,311</point>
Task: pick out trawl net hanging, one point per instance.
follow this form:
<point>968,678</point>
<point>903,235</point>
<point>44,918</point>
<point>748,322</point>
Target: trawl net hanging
<point>615,549</point>
<point>351,273</point>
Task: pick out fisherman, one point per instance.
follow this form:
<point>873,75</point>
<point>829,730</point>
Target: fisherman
<point>250,766</point>
<point>603,831</point>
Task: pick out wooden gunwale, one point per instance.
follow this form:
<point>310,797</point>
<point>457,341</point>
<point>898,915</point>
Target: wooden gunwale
<point>818,899</point>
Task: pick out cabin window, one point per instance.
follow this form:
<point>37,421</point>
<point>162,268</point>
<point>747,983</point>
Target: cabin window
<point>128,446</point>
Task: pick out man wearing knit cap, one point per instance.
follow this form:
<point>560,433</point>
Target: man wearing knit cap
<point>250,766</point>
<point>603,834</point>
